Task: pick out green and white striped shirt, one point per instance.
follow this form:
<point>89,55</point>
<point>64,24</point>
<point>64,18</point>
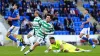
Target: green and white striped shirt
<point>45,29</point>
<point>37,26</point>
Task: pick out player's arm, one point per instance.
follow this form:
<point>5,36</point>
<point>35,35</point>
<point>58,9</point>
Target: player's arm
<point>52,31</point>
<point>88,20</point>
<point>61,47</point>
<point>16,18</point>
<point>33,23</point>
<point>36,23</point>
<point>49,33</point>
<point>49,49</point>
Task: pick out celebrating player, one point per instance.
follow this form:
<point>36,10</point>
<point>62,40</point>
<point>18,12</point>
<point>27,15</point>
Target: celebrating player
<point>86,29</point>
<point>61,46</point>
<point>35,24</point>
<point>13,30</point>
<point>45,29</point>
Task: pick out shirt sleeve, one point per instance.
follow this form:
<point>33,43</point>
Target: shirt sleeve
<point>50,47</point>
<point>40,22</point>
<point>87,17</point>
<point>60,42</point>
<point>17,12</point>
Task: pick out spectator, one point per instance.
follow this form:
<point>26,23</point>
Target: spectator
<point>65,12</point>
<point>45,12</point>
<point>58,26</point>
<point>21,12</point>
<point>28,10</point>
<point>72,12</point>
<point>55,16</point>
<point>24,26</point>
<point>69,25</point>
<point>94,28</point>
<point>76,12</point>
<point>52,10</point>
<point>24,6</point>
<point>39,5</point>
<point>76,1</point>
<point>95,3</point>
<point>91,3</point>
<point>60,12</point>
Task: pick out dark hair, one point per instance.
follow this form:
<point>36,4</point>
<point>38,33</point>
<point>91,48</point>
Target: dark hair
<point>16,4</point>
<point>51,38</point>
<point>51,16</point>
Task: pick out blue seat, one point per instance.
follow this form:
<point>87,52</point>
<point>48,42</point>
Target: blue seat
<point>61,19</point>
<point>56,9</point>
<point>27,17</point>
<point>77,32</point>
<point>61,32</point>
<point>76,19</point>
<point>56,5</point>
<point>98,5</point>
<point>21,18</point>
<point>86,5</point>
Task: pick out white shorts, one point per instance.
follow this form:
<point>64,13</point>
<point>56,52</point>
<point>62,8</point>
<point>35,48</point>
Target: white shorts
<point>32,40</point>
<point>39,40</point>
<point>85,31</point>
<point>13,30</point>
<point>32,32</point>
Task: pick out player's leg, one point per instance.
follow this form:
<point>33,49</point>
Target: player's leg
<point>15,33</point>
<point>30,39</point>
<point>9,34</point>
<point>82,33</point>
<point>39,40</point>
<point>69,48</point>
<point>90,39</point>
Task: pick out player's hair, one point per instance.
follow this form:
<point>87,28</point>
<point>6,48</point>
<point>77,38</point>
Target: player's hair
<point>37,12</point>
<point>51,38</point>
<point>51,16</point>
<point>16,4</point>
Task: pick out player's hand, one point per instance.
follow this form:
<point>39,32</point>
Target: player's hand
<point>81,26</point>
<point>9,18</point>
<point>46,51</point>
<point>83,23</point>
<point>55,51</point>
<point>58,51</point>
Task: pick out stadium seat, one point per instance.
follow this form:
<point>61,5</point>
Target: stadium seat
<point>98,5</point>
<point>27,17</point>
<point>76,19</point>
<point>77,32</point>
<point>56,4</point>
<point>61,19</point>
<point>86,5</point>
<point>61,32</point>
<point>21,18</point>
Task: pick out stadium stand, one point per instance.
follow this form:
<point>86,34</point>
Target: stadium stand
<point>65,10</point>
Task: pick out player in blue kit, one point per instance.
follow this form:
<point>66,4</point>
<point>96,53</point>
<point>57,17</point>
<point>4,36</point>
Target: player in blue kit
<point>86,29</point>
<point>13,30</point>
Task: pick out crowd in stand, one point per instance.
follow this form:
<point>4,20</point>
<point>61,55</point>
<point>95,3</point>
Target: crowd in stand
<point>66,9</point>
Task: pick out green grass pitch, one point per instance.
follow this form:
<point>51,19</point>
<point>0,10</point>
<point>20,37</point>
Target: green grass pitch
<point>39,51</point>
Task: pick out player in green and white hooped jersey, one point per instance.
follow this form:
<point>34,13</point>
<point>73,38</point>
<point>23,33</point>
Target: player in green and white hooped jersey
<point>45,29</point>
<point>35,24</point>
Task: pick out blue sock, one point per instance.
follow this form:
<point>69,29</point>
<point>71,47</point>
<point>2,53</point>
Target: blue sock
<point>12,38</point>
<point>84,38</point>
<point>21,44</point>
<point>91,41</point>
